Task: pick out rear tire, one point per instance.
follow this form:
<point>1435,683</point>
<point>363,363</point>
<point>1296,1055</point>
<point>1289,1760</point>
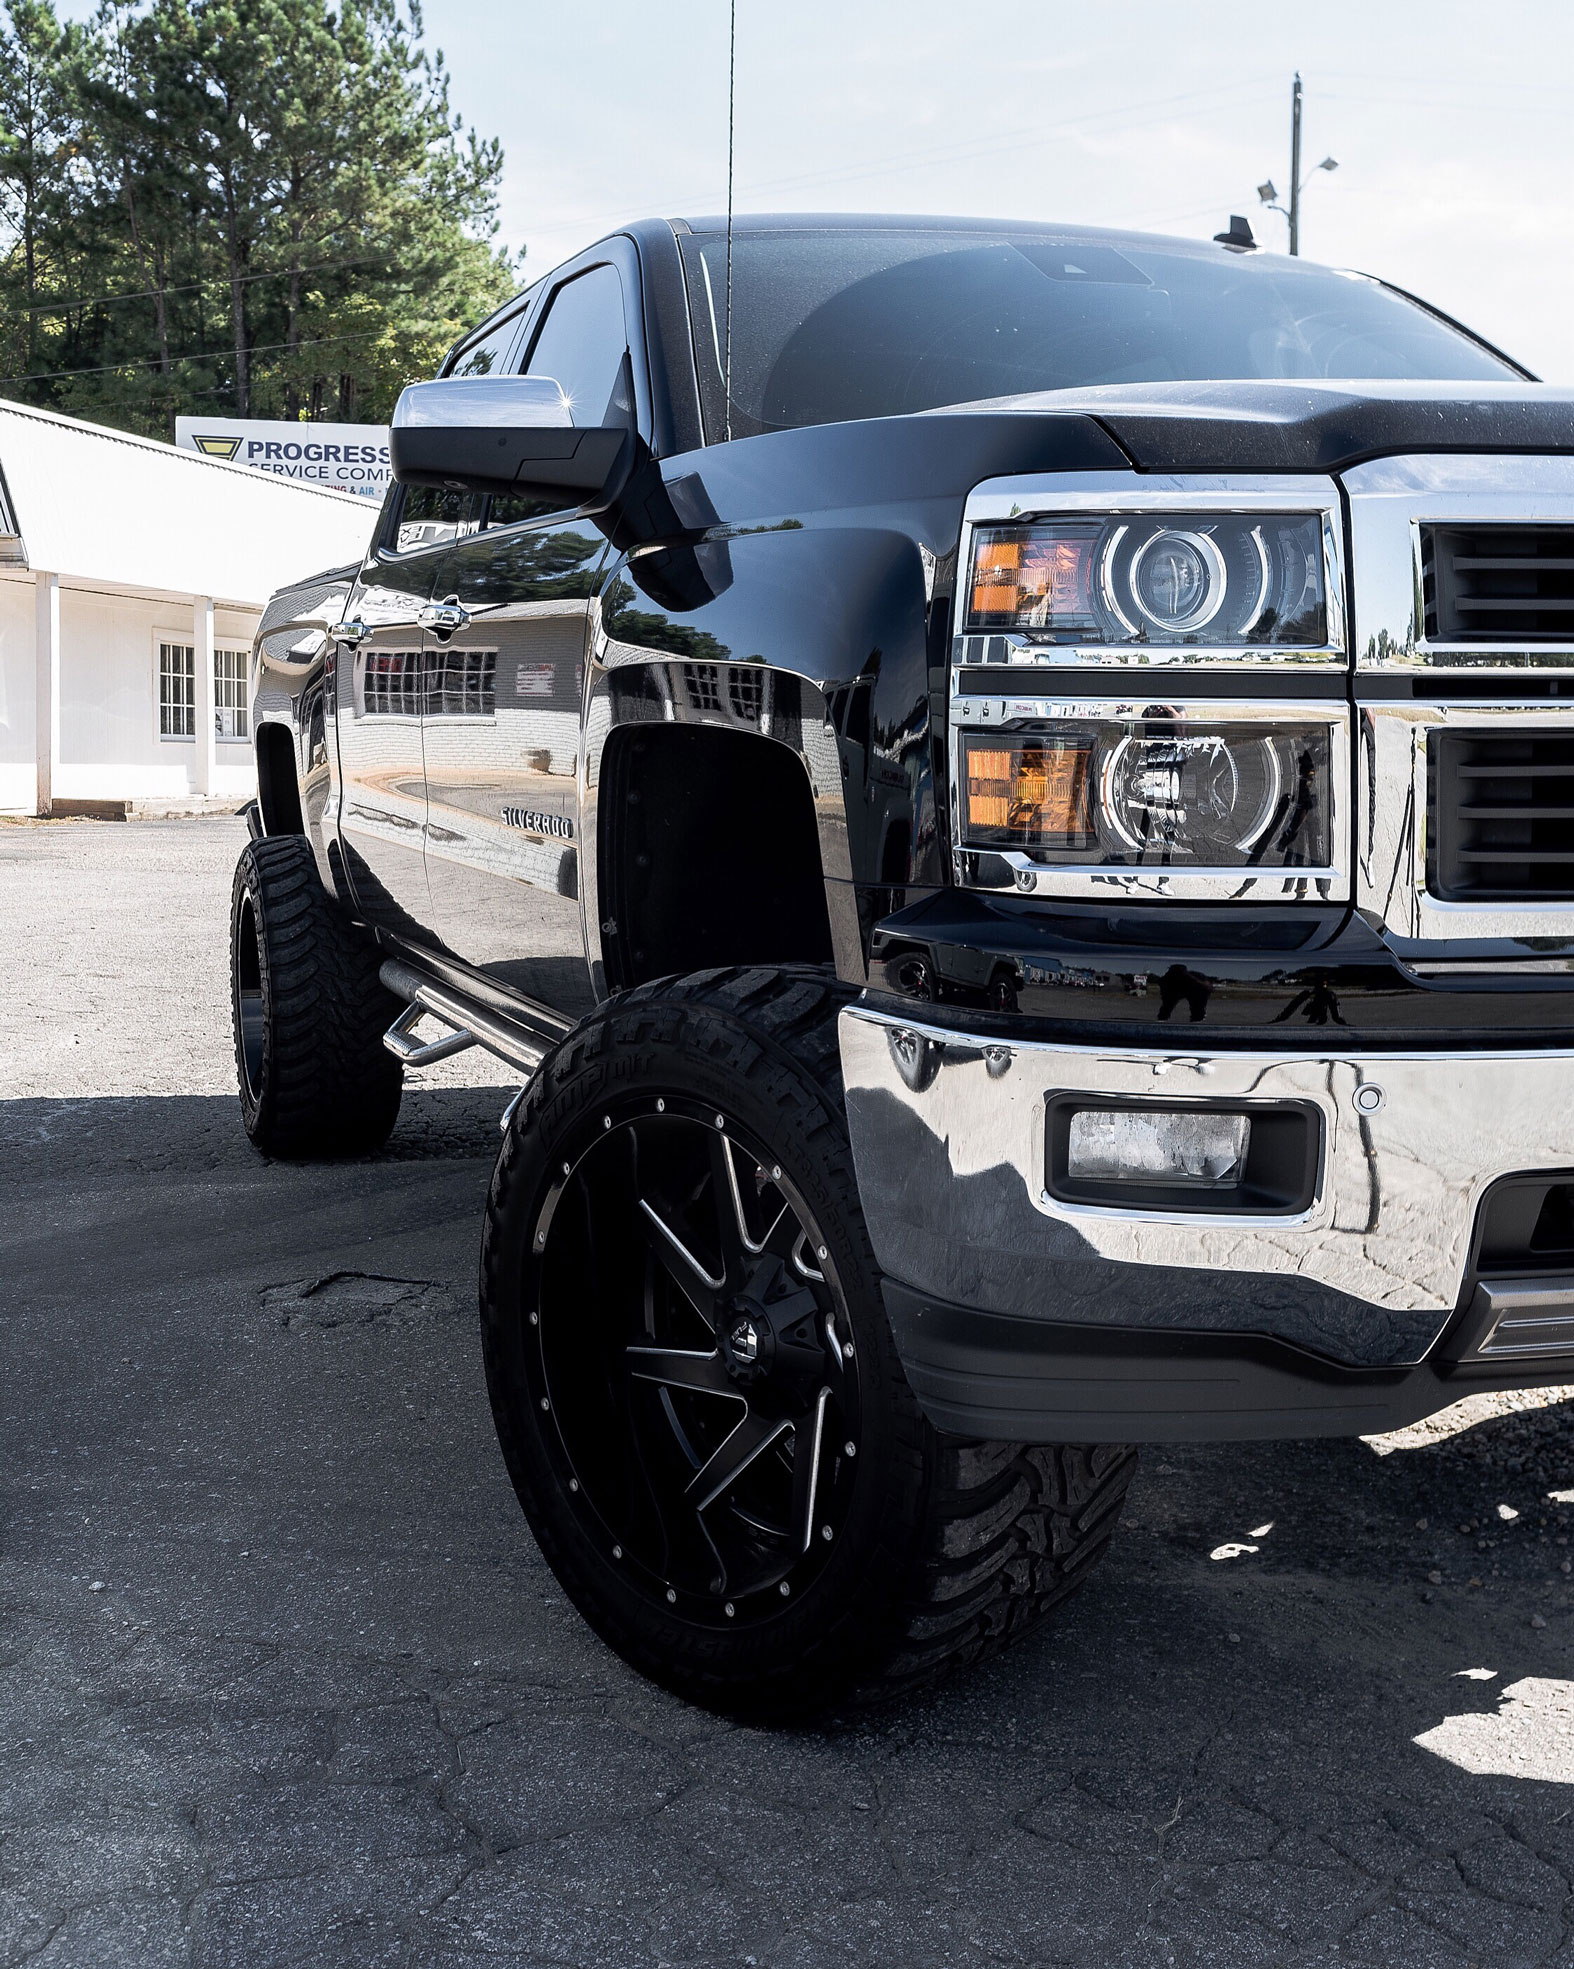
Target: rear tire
<point>308,1010</point>
<point>674,1262</point>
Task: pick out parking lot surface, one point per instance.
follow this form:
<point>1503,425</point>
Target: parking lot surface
<point>283,1679</point>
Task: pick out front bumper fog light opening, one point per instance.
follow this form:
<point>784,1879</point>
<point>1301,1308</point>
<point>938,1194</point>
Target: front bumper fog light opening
<point>1257,1159</point>
<point>1167,1148</point>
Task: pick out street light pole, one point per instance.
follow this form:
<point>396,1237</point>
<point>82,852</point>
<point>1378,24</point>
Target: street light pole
<point>1295,166</point>
<point>1268,192</point>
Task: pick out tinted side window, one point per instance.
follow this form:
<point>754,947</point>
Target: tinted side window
<point>581,344</point>
<point>486,357</point>
<point>428,514</point>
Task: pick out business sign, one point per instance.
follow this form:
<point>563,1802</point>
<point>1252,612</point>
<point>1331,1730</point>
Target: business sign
<point>348,457</point>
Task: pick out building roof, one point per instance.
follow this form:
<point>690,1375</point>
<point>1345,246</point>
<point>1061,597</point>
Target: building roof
<point>105,509</point>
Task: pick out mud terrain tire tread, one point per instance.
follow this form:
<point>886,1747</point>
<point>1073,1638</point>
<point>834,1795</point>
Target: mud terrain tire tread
<point>327,1085</point>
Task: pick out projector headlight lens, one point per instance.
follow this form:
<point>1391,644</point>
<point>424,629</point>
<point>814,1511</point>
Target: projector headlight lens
<point>1178,580</point>
<point>1172,578</point>
<point>1154,791</point>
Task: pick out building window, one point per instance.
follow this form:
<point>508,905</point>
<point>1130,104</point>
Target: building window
<point>461,683</point>
<point>432,683</point>
<point>701,683</point>
<point>231,711</point>
<point>177,691</point>
<point>390,683</point>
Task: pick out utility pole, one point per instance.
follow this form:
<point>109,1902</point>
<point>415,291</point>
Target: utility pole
<point>1268,192</point>
<point>1295,165</point>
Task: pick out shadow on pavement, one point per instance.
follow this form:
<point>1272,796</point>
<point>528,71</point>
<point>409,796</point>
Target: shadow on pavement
<point>284,1680</point>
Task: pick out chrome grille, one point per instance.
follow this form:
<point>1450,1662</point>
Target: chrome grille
<point>1503,816</point>
<point>1491,583</point>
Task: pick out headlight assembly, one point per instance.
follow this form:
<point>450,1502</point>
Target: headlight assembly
<point>1164,578</point>
<point>1154,790</point>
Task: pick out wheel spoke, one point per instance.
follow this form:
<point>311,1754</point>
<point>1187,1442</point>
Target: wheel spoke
<point>696,1284</point>
<point>752,1437</point>
<point>618,1384</point>
<point>806,1471</point>
<point>800,1252</point>
<point>740,1215</point>
<point>833,1351</point>
<point>732,1225</point>
<point>679,1367</point>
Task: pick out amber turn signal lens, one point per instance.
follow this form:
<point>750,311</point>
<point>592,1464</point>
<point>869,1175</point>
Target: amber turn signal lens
<point>1034,578</point>
<point>1030,794</point>
<point>996,566</point>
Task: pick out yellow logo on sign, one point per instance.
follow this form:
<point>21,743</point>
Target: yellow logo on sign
<point>217,447</point>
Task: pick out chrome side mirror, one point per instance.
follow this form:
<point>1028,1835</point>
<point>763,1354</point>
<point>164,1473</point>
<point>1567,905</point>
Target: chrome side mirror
<point>506,434</point>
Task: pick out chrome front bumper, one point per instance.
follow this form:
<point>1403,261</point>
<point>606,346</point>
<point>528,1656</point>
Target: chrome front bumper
<point>949,1139</point>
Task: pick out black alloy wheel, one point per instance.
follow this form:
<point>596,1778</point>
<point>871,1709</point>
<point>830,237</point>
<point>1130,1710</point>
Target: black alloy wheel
<point>706,1421</point>
<point>696,1387</point>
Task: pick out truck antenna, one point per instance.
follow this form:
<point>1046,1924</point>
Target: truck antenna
<point>732,91</point>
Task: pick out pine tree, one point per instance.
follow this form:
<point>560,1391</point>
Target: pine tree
<point>263,206</point>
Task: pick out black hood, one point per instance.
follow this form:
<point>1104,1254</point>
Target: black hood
<point>1305,426</point>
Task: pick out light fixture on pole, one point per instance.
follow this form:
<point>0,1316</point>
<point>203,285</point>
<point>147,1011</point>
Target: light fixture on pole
<point>1268,192</point>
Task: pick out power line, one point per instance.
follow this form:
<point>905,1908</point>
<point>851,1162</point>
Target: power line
<point>209,355</point>
<point>951,153</point>
<point>186,287</point>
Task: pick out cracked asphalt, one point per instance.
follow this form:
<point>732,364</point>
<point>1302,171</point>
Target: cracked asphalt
<point>283,1679</point>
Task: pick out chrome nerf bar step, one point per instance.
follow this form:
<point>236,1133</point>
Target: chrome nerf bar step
<point>521,1045</point>
<point>401,1041</point>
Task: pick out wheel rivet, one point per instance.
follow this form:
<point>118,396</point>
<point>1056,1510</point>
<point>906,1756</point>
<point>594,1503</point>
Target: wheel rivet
<point>785,1589</point>
<point>776,1173</point>
<point>721,1121</point>
<point>729,1610</point>
<point>661,1107</point>
<point>567,1169</point>
<point>847,1350</point>
<point>822,1250</point>
<point>606,1121</point>
<point>535,1319</point>
<point>825,1531</point>
<point>541,1238</point>
<point>573,1483</point>
<point>617,1551</point>
<point>849,1449</point>
<point>672,1598</point>
<point>545,1403</point>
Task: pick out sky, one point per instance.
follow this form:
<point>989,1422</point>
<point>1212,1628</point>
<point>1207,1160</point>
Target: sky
<point>1450,121</point>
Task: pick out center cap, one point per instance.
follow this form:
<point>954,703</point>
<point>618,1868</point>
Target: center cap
<point>744,1341</point>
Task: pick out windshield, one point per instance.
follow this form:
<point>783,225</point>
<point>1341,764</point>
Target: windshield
<point>841,323</point>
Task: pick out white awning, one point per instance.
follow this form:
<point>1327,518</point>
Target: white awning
<point>101,508</point>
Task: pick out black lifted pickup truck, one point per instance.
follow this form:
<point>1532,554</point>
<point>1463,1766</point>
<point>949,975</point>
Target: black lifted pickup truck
<point>1013,806</point>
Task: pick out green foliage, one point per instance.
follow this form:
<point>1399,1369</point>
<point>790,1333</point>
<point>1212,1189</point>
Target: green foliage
<point>262,207</point>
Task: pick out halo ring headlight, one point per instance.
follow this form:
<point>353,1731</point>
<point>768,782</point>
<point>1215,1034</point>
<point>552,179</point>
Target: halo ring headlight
<point>1234,581</point>
<point>1178,580</point>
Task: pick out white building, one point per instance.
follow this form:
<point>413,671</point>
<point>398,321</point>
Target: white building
<point>132,577</point>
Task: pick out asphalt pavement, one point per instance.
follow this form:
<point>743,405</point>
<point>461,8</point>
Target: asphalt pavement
<point>283,1679</point>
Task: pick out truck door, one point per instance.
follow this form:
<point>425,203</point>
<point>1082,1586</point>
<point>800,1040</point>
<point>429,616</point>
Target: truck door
<point>379,691</point>
<point>382,677</point>
<point>511,618</point>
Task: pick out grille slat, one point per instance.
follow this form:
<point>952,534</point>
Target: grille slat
<point>1502,819</point>
<point>1497,583</point>
<point>1517,812</point>
<point>1529,857</point>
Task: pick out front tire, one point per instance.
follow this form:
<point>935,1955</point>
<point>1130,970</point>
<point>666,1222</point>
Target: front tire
<point>695,1384</point>
<point>308,1011</point>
